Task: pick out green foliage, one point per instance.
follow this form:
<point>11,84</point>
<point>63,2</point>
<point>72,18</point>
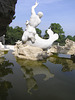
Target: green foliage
<point>46,36</point>
<point>61,39</point>
<point>13,34</point>
<point>56,28</point>
<point>70,37</point>
<point>38,31</point>
<point>73,38</point>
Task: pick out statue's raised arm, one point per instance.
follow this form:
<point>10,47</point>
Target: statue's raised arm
<point>35,19</point>
<point>33,8</point>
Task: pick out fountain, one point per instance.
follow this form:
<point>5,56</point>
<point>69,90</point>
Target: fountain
<point>32,46</point>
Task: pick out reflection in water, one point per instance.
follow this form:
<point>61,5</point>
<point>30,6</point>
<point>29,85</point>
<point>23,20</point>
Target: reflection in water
<point>32,68</point>
<point>4,85</point>
<point>14,86</point>
<point>4,70</point>
<point>2,53</point>
<point>73,58</point>
<point>68,64</point>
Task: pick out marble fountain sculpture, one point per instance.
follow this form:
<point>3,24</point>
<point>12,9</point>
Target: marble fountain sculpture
<point>32,46</point>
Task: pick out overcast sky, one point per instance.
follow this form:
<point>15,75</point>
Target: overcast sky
<point>55,11</point>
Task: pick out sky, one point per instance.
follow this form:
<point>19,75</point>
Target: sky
<point>55,11</point>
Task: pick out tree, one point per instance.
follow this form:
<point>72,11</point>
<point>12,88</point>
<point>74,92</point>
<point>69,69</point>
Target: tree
<point>69,37</point>
<point>56,28</point>
<point>46,36</point>
<point>13,34</point>
<point>38,31</point>
<point>74,38</point>
<point>61,39</point>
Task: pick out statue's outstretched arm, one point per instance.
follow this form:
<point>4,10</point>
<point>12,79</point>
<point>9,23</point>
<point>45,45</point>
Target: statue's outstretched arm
<point>33,8</point>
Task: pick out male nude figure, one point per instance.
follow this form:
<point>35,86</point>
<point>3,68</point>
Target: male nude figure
<point>35,20</point>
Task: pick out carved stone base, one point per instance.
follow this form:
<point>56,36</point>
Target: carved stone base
<point>29,52</point>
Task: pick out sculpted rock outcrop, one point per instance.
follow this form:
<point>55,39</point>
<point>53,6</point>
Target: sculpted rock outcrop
<point>7,11</point>
<point>29,52</point>
<point>69,48</point>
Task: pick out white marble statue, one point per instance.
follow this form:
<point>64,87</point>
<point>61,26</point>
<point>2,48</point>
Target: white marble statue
<point>29,33</point>
<point>44,43</point>
<point>30,36</point>
<point>35,20</point>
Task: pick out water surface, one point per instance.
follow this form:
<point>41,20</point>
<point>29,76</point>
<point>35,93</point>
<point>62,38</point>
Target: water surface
<point>50,79</point>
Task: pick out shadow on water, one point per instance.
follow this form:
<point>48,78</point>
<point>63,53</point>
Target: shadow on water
<point>4,85</point>
<point>32,68</point>
<point>67,63</point>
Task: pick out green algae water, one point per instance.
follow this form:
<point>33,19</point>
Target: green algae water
<point>50,79</point>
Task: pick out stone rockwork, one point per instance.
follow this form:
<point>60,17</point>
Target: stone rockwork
<point>35,53</point>
<point>29,52</point>
<point>69,48</point>
<point>7,11</point>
